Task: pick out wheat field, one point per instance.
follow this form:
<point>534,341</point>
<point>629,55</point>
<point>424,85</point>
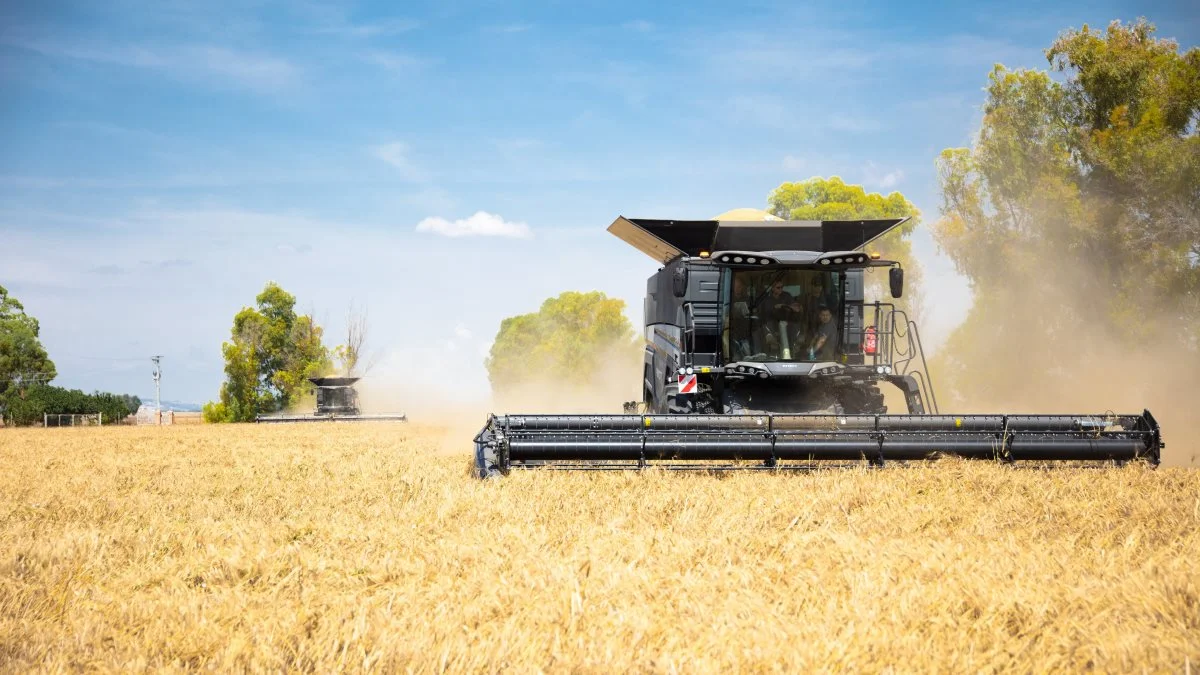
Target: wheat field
<point>369,547</point>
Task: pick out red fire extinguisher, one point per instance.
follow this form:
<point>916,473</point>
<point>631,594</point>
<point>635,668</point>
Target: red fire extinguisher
<point>869,344</point>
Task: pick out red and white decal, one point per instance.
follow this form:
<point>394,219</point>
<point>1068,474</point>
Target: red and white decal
<point>687,384</point>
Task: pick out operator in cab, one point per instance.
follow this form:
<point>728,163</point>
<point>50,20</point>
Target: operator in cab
<point>778,304</point>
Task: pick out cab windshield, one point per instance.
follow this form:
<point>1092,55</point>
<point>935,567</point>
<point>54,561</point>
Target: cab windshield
<point>780,315</point>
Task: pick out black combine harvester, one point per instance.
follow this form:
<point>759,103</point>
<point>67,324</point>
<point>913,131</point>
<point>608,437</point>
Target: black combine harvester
<point>337,401</point>
<point>762,354</point>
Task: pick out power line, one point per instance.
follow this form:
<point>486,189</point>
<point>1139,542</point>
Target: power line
<point>29,377</point>
<point>100,358</point>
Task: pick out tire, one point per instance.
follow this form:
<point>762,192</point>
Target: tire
<point>866,400</point>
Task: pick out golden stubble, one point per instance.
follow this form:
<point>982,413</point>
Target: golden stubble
<point>368,547</point>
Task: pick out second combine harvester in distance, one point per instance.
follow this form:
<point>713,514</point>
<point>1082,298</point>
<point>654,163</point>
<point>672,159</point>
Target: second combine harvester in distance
<point>762,353</point>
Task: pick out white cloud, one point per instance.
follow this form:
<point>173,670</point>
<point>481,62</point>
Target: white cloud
<point>891,178</point>
<point>793,163</point>
<point>462,332</point>
<point>481,224</point>
<point>426,199</point>
<point>762,110</point>
<point>874,176</point>
<point>385,27</point>
<point>508,28</point>
<point>396,62</point>
<point>219,65</point>
<point>516,145</point>
<point>854,125</point>
<point>396,154</point>
<point>762,57</point>
<point>256,71</point>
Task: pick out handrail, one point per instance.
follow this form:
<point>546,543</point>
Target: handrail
<point>898,344</point>
<point>928,379</point>
<point>689,333</point>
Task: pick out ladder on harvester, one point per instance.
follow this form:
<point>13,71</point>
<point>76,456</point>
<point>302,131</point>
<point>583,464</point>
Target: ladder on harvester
<point>898,345</point>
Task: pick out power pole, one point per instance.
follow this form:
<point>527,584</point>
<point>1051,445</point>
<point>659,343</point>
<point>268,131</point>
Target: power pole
<point>157,378</point>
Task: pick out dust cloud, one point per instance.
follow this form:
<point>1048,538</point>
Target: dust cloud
<point>1050,346</point>
<point>614,379</point>
<point>1114,379</point>
<point>1011,368</point>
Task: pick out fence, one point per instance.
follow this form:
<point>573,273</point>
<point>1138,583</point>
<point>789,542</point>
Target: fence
<point>72,419</point>
<point>148,415</point>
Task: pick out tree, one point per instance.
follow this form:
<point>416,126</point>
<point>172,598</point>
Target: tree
<point>270,356</point>
<point>352,357</point>
<point>571,338</point>
<point>23,360</point>
<point>40,399</point>
<point>832,199</point>
<point>1077,210</point>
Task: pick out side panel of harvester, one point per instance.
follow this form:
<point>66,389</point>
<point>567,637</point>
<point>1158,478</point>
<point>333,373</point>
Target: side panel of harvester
<point>682,321</point>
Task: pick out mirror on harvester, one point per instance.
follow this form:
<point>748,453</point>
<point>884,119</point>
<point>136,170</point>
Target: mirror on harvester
<point>679,281</point>
<point>896,281</point>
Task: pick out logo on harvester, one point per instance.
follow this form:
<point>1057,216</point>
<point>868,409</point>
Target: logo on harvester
<point>687,383</point>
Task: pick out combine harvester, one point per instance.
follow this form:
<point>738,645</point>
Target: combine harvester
<point>762,354</point>
<point>337,401</point>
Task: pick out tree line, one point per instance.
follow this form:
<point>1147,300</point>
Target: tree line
<point>1075,214</point>
<point>26,370</point>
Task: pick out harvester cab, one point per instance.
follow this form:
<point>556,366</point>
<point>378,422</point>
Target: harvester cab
<point>762,352</point>
<point>770,317</point>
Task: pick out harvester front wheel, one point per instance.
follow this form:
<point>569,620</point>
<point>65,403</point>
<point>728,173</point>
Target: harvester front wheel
<point>862,401</point>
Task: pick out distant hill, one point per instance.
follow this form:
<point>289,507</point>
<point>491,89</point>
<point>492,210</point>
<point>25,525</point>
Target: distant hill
<point>177,406</point>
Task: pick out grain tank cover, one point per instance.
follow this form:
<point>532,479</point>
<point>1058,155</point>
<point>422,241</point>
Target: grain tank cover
<point>326,382</point>
<point>665,240</point>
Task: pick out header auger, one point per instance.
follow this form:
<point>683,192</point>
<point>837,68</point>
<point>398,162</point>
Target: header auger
<point>762,354</point>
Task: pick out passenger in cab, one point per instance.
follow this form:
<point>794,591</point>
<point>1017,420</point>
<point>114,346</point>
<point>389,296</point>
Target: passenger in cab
<point>739,325</point>
<point>823,346</point>
<point>777,306</point>
<point>813,301</point>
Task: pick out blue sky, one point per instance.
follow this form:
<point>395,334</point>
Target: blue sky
<point>159,162</point>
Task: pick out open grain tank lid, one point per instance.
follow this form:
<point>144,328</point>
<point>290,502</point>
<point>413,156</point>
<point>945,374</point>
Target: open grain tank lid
<point>333,381</point>
<point>665,240</point>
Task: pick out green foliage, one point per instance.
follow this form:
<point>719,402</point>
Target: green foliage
<point>23,360</point>
<point>832,199</point>
<point>572,337</point>
<point>1078,209</point>
<point>37,400</point>
<point>271,353</point>
<point>216,413</point>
